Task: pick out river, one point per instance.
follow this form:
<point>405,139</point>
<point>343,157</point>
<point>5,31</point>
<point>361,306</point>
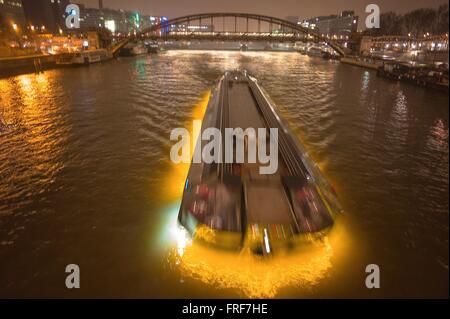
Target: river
<point>85,178</point>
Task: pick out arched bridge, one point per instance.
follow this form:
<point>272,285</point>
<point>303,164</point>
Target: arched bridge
<point>243,26</point>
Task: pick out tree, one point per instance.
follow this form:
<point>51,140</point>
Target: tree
<point>442,19</point>
<point>416,23</point>
<point>389,25</point>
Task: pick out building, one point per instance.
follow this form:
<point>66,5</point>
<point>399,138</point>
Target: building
<point>334,26</point>
<point>12,16</point>
<point>90,18</point>
<point>119,22</point>
<point>116,21</point>
<point>155,20</point>
<point>403,44</point>
<point>46,16</point>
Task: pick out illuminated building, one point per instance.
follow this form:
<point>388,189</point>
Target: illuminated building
<point>340,26</point>
<point>90,18</point>
<point>117,21</point>
<point>46,16</point>
<point>404,44</point>
<point>12,17</point>
<point>155,20</point>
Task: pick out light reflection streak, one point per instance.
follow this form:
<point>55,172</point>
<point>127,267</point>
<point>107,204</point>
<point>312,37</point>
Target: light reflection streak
<point>173,189</point>
<point>252,276</point>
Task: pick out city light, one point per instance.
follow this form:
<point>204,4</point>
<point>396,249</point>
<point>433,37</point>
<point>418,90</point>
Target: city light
<point>137,20</point>
<point>110,25</point>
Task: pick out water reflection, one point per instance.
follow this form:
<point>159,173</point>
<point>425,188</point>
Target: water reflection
<point>250,275</point>
<point>85,170</point>
<point>31,146</point>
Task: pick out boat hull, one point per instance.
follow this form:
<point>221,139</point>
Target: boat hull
<point>84,58</point>
<point>232,205</point>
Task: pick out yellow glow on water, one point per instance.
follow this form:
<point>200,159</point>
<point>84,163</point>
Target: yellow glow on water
<point>173,189</point>
<point>174,183</point>
<point>253,276</point>
<point>248,274</point>
<point>200,108</point>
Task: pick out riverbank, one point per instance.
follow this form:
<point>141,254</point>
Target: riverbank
<point>26,64</point>
<point>361,62</point>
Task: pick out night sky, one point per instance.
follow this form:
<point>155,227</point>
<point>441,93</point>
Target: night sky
<point>277,8</point>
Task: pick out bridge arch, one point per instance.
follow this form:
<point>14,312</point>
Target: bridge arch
<point>248,16</point>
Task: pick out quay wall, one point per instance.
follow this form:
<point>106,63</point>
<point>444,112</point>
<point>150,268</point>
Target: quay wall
<point>26,64</point>
<point>361,63</point>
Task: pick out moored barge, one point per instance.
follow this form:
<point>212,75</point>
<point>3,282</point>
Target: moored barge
<point>418,74</point>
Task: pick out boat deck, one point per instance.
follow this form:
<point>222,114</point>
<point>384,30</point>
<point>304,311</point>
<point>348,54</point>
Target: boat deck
<point>266,200</point>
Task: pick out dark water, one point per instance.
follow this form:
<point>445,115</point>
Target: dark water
<point>85,178</point>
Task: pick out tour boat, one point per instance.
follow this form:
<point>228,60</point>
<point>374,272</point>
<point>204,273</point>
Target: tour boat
<point>232,203</point>
<point>133,49</point>
<point>84,57</point>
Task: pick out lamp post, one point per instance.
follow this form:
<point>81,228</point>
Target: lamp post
<point>16,30</point>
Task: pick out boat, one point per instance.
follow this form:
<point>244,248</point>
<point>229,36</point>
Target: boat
<point>152,47</point>
<point>318,52</point>
<point>84,57</point>
<point>300,47</point>
<point>418,74</point>
<point>133,49</point>
<point>231,204</point>
<point>302,51</point>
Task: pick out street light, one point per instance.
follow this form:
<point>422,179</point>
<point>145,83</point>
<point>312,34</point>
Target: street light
<point>15,27</point>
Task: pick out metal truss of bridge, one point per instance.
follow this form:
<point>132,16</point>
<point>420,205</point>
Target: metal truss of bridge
<point>244,27</point>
